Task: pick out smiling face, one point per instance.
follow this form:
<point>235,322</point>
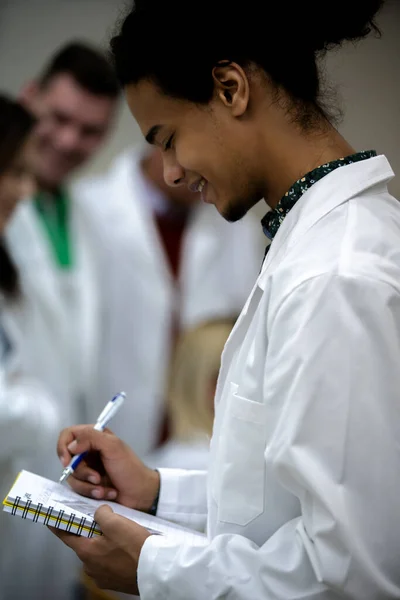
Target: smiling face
<point>208,148</point>
<point>73,123</point>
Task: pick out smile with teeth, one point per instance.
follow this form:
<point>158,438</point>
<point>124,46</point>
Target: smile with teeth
<point>198,186</point>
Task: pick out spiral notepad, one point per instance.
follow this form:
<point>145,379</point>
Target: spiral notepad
<point>43,501</point>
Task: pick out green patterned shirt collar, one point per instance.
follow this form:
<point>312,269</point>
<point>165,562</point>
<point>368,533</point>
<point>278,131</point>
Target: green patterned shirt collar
<point>274,219</point>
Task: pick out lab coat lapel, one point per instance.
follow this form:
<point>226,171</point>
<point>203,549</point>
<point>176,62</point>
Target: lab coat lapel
<point>132,218</point>
<point>32,254</point>
<point>87,290</point>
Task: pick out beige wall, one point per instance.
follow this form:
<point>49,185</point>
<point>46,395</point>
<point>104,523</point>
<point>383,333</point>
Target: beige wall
<point>368,76</point>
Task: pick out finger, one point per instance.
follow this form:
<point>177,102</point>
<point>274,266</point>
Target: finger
<point>124,533</point>
<point>88,439</point>
<point>108,522</point>
<point>103,514</point>
<point>98,492</point>
<point>75,542</point>
<point>64,440</point>
<point>85,473</point>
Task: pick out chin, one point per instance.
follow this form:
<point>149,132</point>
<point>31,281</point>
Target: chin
<point>233,212</point>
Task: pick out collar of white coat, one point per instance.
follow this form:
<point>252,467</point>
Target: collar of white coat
<point>332,190</point>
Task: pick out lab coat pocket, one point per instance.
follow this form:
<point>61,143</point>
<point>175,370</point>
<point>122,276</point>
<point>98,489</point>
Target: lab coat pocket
<point>239,479</point>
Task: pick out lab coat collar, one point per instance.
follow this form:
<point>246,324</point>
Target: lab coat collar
<point>331,191</point>
<point>334,189</point>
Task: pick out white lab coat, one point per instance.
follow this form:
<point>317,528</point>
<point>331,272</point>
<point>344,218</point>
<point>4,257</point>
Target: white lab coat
<point>219,265</point>
<point>28,417</point>
<point>44,319</point>
<point>304,483</point>
<point>43,322</point>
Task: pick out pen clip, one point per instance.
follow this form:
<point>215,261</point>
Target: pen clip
<point>109,411</point>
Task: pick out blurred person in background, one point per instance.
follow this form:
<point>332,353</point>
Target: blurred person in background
<point>27,412</point>
<point>169,263</point>
<point>191,395</point>
<point>58,316</point>
<point>75,100</point>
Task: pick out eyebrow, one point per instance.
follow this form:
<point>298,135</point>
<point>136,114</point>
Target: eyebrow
<point>152,133</point>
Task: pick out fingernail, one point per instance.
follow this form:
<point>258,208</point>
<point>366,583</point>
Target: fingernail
<point>72,446</point>
<point>111,495</point>
<point>97,494</point>
<point>93,479</point>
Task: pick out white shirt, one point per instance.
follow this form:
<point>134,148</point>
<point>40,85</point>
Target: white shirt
<point>304,484</point>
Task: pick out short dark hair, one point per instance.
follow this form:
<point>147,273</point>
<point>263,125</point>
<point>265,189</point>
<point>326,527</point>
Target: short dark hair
<point>283,38</point>
<point>16,123</point>
<point>89,67</point>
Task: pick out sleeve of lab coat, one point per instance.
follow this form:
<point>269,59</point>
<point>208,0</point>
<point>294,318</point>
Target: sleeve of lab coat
<point>27,415</point>
<point>183,497</point>
<point>333,366</point>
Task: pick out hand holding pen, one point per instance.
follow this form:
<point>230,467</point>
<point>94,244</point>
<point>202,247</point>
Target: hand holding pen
<point>105,417</point>
<point>114,471</point>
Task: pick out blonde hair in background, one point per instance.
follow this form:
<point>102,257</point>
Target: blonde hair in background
<point>194,373</point>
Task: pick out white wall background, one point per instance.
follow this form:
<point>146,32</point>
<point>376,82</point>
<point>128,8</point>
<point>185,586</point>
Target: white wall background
<point>368,75</point>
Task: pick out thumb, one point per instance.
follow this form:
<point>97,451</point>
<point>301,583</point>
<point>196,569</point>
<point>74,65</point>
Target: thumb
<point>113,526</point>
<point>124,533</point>
<point>104,517</point>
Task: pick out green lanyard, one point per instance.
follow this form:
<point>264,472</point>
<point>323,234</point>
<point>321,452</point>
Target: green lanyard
<point>53,211</point>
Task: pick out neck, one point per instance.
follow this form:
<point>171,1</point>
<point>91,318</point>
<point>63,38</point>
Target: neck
<point>290,155</point>
<point>47,188</point>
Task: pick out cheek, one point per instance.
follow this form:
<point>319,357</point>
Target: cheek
<point>9,191</point>
<point>198,153</point>
<point>89,145</point>
<point>6,186</point>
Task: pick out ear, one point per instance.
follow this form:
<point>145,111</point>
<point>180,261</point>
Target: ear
<point>232,87</point>
<point>28,96</point>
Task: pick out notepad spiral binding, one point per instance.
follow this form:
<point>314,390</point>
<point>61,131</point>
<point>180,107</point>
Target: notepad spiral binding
<point>72,525</point>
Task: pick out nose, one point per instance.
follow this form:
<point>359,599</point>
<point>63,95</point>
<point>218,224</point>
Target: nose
<point>68,138</point>
<point>174,174</point>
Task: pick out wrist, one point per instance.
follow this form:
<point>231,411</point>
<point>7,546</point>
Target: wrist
<point>152,492</point>
<point>154,506</point>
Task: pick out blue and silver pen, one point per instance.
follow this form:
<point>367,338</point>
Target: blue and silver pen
<point>109,411</point>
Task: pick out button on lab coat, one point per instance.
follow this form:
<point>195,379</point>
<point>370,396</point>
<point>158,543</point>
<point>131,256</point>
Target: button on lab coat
<point>304,487</point>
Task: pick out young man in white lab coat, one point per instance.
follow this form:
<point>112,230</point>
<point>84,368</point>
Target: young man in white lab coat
<point>302,496</point>
<point>57,316</point>
<point>168,262</point>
